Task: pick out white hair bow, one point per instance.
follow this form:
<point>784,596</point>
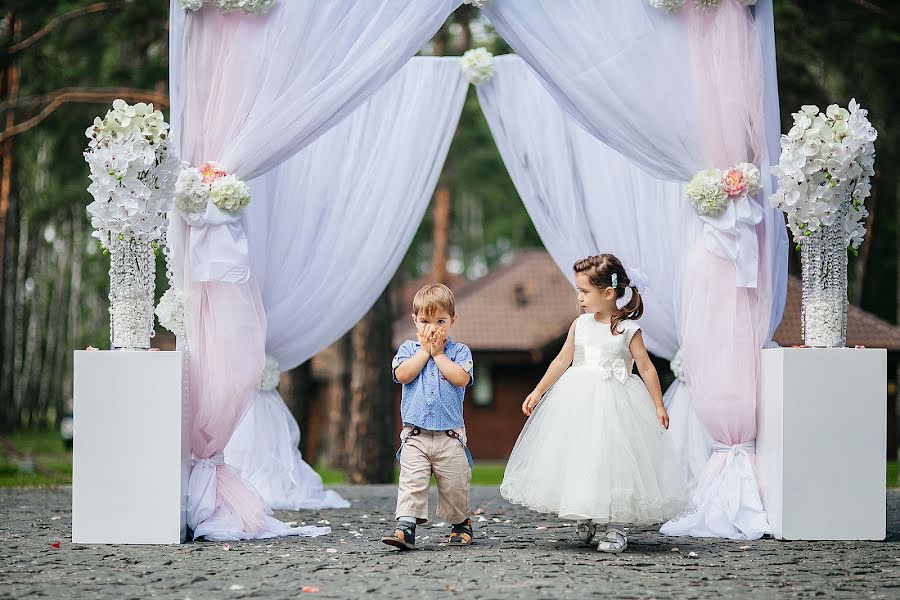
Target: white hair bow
<point>636,279</point>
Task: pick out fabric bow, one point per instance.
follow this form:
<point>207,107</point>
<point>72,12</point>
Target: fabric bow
<point>638,280</point>
<point>202,489</point>
<point>733,476</point>
<point>218,246</point>
<point>732,236</point>
<point>614,367</point>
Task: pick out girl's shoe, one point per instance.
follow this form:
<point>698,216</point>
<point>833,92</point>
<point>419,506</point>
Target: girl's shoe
<point>585,530</point>
<point>461,534</point>
<point>404,537</point>
<point>616,541</point>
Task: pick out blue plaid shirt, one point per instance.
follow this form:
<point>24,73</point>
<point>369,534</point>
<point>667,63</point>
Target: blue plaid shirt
<point>430,401</point>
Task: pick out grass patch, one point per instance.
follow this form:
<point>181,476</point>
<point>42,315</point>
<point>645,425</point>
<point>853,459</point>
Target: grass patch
<point>53,464</point>
<point>484,473</point>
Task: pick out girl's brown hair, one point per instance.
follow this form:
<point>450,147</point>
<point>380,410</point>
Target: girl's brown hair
<point>600,270</point>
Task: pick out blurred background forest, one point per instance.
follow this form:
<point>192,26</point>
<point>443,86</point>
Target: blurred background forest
<point>63,62</point>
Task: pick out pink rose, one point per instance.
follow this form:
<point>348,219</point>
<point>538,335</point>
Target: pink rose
<point>210,172</point>
<point>734,183</point>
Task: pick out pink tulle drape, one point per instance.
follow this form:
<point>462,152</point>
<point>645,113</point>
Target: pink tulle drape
<point>225,325</point>
<point>248,92</point>
<point>725,326</point>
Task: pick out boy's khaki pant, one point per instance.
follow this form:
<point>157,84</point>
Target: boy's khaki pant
<point>434,452</point>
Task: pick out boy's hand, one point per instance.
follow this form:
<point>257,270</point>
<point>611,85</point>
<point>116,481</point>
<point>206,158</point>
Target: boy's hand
<point>423,336</point>
<point>438,340</point>
<point>530,402</point>
<point>663,417</point>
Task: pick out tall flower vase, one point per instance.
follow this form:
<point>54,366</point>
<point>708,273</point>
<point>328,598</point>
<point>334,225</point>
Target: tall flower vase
<point>823,256</point>
<point>132,284</point>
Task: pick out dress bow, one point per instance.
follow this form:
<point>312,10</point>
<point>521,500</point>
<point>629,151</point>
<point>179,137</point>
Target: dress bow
<point>614,367</point>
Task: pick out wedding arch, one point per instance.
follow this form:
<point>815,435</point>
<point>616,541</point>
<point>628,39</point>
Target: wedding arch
<point>662,93</point>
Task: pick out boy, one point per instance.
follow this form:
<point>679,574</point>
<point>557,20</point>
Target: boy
<point>434,371</point>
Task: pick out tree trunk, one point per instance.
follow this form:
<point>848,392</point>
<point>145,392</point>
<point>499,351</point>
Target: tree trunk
<point>897,300</point>
<point>11,93</point>
<point>370,431</point>
<point>338,405</point>
<point>75,301</point>
<point>441,227</point>
<point>441,209</point>
<point>301,394</point>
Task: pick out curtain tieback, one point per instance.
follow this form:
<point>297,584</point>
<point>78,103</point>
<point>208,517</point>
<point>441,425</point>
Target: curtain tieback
<point>201,497</point>
<point>216,460</point>
<point>734,449</point>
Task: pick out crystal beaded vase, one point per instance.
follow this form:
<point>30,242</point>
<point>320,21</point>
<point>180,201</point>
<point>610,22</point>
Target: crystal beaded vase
<point>132,284</point>
<point>823,257</point>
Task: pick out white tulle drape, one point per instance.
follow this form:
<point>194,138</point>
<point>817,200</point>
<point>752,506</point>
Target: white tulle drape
<point>249,92</point>
<point>676,94</point>
<point>327,231</point>
<point>585,198</point>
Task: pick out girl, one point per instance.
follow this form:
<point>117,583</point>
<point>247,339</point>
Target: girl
<point>596,450</point>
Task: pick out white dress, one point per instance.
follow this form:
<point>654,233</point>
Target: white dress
<point>593,447</point>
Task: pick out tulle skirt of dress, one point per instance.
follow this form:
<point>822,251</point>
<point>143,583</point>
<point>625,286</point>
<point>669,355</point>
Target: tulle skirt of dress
<point>594,449</point>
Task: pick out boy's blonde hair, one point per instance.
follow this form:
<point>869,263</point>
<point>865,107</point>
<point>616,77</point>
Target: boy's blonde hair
<point>433,298</point>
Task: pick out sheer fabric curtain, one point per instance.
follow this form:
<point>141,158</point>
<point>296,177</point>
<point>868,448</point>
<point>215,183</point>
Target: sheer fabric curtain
<point>334,223</point>
<point>585,198</point>
<point>249,92</point>
<point>676,94</point>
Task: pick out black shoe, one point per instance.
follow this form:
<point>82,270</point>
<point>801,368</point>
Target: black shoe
<point>461,534</point>
<point>404,537</point>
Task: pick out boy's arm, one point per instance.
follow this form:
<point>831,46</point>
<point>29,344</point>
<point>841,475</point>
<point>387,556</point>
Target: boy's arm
<point>407,367</point>
<point>456,370</point>
<point>451,371</point>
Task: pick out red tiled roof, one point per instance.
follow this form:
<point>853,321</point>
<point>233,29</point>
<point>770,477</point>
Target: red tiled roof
<point>409,289</point>
<point>528,303</point>
<point>521,306</point>
<point>863,328</point>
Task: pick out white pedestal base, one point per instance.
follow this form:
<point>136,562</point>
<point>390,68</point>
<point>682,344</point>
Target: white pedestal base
<point>821,443</point>
<point>131,448</point>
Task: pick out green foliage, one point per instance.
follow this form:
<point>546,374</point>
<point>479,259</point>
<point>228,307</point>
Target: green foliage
<point>54,275</point>
<point>828,53</point>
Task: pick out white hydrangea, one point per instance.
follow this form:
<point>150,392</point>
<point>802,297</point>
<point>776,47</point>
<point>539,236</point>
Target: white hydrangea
<point>478,65</point>
<point>132,173</point>
<point>706,193</point>
<point>250,7</point>
<point>677,366</point>
<point>826,161</point>
<point>170,311</point>
<point>191,193</point>
<point>230,193</point>
<point>270,376</point>
<point>670,6</point>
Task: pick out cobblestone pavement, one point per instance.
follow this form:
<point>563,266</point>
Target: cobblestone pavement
<point>518,554</point>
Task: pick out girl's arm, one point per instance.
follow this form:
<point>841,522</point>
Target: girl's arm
<point>649,375</point>
<point>554,372</point>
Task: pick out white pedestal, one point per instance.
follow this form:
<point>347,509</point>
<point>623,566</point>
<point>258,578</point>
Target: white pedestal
<point>131,448</point>
<point>821,443</point>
